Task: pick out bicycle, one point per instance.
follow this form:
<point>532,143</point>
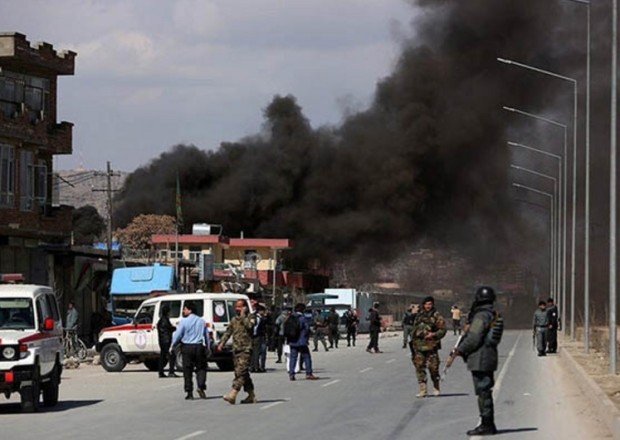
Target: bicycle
<point>74,346</point>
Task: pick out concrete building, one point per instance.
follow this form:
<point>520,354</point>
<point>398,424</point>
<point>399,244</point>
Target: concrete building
<point>30,137</point>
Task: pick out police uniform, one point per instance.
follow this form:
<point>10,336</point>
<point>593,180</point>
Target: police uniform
<point>241,329</point>
<point>554,324</point>
<point>481,357</point>
<point>427,350</point>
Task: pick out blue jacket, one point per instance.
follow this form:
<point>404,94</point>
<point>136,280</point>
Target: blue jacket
<point>304,336</point>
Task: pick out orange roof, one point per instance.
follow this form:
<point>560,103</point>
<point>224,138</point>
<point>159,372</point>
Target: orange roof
<point>272,243</point>
<point>189,239</point>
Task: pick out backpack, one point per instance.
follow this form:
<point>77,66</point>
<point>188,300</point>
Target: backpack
<point>496,329</point>
<point>292,328</point>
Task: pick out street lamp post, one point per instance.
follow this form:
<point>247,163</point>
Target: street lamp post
<point>559,207</point>
<point>574,207</point>
<point>551,203</point>
<point>555,193</point>
<point>613,346</point>
<point>564,191</point>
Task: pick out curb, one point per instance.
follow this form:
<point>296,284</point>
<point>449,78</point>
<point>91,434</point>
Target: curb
<point>603,404</point>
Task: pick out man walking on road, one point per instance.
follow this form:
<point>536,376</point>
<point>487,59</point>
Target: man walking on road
<point>541,325</point>
<point>428,329</point>
<point>193,335</point>
<point>259,344</point>
<point>320,327</point>
<point>279,330</point>
<point>479,349</point>
<point>299,345</point>
<point>375,328</point>
<point>240,328</point>
<point>408,320</point>
<point>164,335</point>
<point>554,325</point>
<point>456,319</point>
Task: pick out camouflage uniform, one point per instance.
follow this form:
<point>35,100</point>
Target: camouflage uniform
<point>319,332</point>
<point>427,351</point>
<point>240,329</point>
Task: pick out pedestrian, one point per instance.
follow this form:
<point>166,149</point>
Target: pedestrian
<point>407,325</point>
<point>429,328</point>
<point>165,330</point>
<point>320,328</point>
<point>333,320</point>
<point>479,349</point>
<point>414,312</point>
<point>279,332</point>
<point>259,344</point>
<point>299,325</point>
<point>541,325</point>
<point>270,335</point>
<point>352,324</point>
<point>456,319</point>
<point>73,317</point>
<point>241,328</point>
<point>193,336</point>
<point>375,328</point>
<point>555,324</point>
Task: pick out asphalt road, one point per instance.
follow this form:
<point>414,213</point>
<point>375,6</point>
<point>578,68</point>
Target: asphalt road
<point>360,396</point>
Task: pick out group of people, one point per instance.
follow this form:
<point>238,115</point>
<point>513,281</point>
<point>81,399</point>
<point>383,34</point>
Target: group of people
<point>546,324</point>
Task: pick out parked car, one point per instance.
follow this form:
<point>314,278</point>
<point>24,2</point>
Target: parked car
<point>139,341</point>
<point>31,345</point>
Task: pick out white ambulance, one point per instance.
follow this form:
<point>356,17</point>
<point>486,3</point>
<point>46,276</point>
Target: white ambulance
<point>139,341</point>
<point>31,346</point>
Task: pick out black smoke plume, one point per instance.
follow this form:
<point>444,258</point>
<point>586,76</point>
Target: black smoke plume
<point>427,160</point>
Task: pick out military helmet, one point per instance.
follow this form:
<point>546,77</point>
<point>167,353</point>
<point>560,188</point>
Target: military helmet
<point>239,305</point>
<point>485,294</point>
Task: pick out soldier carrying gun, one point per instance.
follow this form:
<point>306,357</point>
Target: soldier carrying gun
<point>478,347</point>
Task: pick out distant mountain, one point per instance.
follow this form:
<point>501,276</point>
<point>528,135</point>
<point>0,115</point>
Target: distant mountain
<point>75,188</point>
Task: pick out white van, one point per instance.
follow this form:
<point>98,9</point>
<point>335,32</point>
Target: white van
<point>31,347</point>
<point>139,341</point>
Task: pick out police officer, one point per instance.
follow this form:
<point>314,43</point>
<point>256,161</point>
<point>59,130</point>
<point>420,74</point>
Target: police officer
<point>479,350</point>
<point>374,319</point>
<point>408,321</point>
<point>333,319</point>
<point>428,329</point>
<point>240,328</point>
<point>193,335</point>
<point>352,323</point>
<point>541,325</point>
<point>320,327</point>
<point>554,325</point>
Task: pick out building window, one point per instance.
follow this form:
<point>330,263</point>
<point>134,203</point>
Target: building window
<point>194,253</point>
<point>40,182</point>
<point>20,93</point>
<point>171,252</point>
<point>26,180</point>
<point>7,175</point>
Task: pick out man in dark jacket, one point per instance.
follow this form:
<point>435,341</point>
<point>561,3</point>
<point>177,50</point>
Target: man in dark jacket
<point>259,347</point>
<point>480,353</point>
<point>352,323</point>
<point>375,328</point>
<point>408,325</point>
<point>554,325</point>
<point>164,333</point>
<point>300,345</point>
<point>333,319</point>
<point>540,324</point>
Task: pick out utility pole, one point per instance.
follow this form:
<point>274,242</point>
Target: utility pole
<point>108,174</point>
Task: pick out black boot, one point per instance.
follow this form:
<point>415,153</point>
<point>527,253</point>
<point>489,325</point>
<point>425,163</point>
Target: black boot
<point>486,427</point>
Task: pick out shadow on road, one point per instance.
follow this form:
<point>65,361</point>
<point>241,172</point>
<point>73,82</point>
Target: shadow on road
<point>65,405</point>
<point>511,431</point>
<point>272,400</point>
<point>452,395</point>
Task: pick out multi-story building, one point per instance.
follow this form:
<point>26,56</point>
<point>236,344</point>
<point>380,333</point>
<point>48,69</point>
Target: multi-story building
<point>29,139</point>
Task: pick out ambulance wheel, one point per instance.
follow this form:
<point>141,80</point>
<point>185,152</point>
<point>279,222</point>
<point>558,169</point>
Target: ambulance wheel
<point>31,394</point>
<point>151,364</point>
<point>112,358</point>
<point>50,388</point>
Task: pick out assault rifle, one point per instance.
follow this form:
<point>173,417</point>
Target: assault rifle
<point>451,357</point>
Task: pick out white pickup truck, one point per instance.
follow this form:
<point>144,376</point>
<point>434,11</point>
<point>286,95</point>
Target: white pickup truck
<point>139,341</point>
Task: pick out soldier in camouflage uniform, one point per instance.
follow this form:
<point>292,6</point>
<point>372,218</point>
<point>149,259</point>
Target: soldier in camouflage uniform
<point>428,329</point>
<point>240,328</point>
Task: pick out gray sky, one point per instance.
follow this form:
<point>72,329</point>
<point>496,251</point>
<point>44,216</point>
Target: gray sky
<point>154,73</point>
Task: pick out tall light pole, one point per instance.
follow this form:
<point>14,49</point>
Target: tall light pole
<point>574,207</point>
<point>586,253</point>
<point>551,203</point>
<point>553,234</point>
<point>564,191</point>
<point>559,207</point>
<point>613,346</point>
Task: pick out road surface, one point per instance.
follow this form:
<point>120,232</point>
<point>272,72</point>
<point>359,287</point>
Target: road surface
<point>360,396</point>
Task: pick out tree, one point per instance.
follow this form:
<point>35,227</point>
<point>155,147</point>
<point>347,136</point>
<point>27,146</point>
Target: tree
<point>88,225</point>
<point>138,233</point>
